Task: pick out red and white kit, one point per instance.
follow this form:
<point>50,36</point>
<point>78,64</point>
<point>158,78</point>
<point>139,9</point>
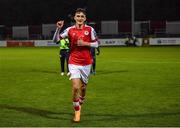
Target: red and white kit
<point>80,56</point>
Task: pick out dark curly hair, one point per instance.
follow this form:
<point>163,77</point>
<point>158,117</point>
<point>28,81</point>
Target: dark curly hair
<point>80,10</point>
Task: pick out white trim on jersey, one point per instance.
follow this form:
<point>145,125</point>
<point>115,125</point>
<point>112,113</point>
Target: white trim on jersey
<point>94,44</point>
<point>93,38</point>
<point>93,34</point>
<point>64,34</point>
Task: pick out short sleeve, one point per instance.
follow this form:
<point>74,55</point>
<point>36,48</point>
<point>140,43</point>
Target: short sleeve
<point>93,34</point>
<point>64,34</point>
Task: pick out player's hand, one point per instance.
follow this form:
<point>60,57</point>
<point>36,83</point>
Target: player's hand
<point>97,53</point>
<point>60,24</point>
<point>80,42</point>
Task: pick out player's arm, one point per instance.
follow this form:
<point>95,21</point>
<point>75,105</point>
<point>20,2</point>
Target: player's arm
<point>56,37</point>
<point>80,42</point>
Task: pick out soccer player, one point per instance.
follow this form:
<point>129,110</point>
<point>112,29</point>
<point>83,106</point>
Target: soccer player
<point>93,53</point>
<point>64,54</point>
<point>82,37</point>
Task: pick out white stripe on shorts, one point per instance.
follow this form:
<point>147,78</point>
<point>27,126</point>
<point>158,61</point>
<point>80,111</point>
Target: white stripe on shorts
<point>81,72</point>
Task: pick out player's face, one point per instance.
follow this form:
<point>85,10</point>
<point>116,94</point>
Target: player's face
<point>80,18</point>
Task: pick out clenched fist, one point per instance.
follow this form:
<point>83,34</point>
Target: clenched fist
<point>60,23</point>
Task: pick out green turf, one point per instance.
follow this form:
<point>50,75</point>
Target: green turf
<point>132,87</point>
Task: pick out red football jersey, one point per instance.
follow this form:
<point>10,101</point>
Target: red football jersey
<point>79,55</point>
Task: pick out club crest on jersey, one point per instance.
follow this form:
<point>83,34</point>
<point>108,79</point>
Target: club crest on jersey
<point>86,33</point>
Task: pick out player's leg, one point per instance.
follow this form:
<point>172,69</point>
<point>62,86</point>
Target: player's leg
<point>82,93</point>
<point>79,76</point>
<point>67,59</point>
<point>62,59</point>
<point>76,85</point>
<point>85,72</point>
<point>92,67</point>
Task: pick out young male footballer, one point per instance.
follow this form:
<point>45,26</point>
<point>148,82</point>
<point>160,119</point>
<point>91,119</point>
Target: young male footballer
<point>82,37</point>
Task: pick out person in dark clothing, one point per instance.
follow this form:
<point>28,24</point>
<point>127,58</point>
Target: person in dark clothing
<point>94,53</point>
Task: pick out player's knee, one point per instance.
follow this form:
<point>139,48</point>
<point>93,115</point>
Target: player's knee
<point>75,86</point>
<point>83,87</point>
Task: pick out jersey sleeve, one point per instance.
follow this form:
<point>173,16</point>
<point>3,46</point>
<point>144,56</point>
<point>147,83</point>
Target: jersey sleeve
<point>94,39</point>
<point>93,35</point>
<point>64,34</point>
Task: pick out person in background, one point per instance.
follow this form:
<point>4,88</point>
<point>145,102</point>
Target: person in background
<point>64,55</point>
<point>94,53</point>
<point>135,41</point>
<point>131,41</point>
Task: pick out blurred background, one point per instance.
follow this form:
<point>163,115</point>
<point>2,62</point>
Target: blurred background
<point>35,19</point>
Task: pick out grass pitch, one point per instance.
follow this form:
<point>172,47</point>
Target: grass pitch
<point>133,87</point>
